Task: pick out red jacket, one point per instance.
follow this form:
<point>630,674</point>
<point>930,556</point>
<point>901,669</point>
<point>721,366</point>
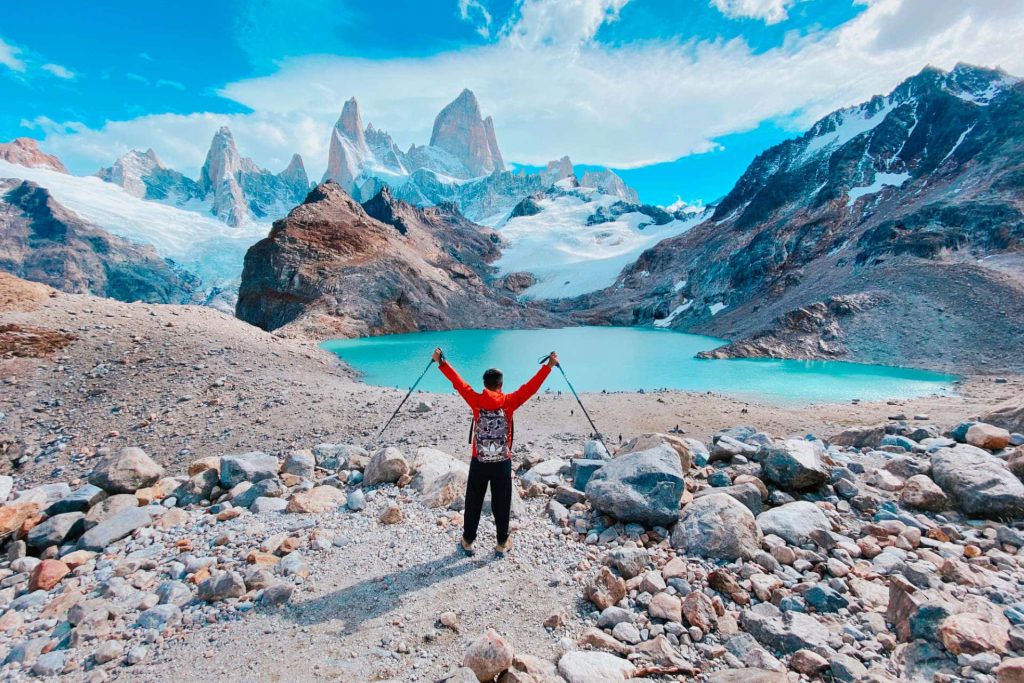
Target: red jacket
<point>495,400</point>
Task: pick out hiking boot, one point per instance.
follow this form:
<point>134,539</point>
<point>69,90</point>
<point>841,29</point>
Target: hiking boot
<point>465,547</point>
<point>502,548</point>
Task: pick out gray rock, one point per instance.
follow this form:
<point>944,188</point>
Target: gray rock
<point>387,465</point>
<point>595,450</point>
<point>643,487</point>
<point>300,463</point>
<point>80,500</point>
<point>6,486</point>
<point>56,530</point>
<point>626,632</point>
<point>794,522</point>
<point>108,651</point>
<point>847,669</point>
<point>197,488</point>
<point>594,667</point>
<point>264,488</point>
<point>612,616</point>
<point>356,500</point>
<point>786,632</point>
<point>136,655</point>
<point>108,507</point>
<point>795,465</point>
<point>126,472</point>
<point>629,562</point>
<point>277,594</point>
<point>747,493</point>
<point>582,470</point>
<point>174,593</point>
<point>251,467</point>
<point>332,457</point>
<point>51,663</point>
<point>160,617</point>
<point>979,483</point>
<point>221,586</point>
<point>717,526</point>
<point>269,505</point>
<point>114,528</point>
<point>548,472</point>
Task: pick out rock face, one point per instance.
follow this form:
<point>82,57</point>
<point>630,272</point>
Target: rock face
<point>143,175</point>
<point>717,526</point>
<point>609,183</point>
<point>979,483</point>
<point>460,130</point>
<point>334,267</point>
<point>26,152</point>
<point>348,151</point>
<point>45,242</point>
<point>643,487</point>
<point>879,212</point>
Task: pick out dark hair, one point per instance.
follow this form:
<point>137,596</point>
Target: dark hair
<point>492,379</point>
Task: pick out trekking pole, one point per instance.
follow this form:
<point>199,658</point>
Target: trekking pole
<point>597,432</point>
<point>407,395</point>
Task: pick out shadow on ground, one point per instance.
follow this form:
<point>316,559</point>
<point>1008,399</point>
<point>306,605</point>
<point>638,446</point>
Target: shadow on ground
<point>374,597</point>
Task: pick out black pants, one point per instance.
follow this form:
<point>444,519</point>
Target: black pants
<point>499,476</point>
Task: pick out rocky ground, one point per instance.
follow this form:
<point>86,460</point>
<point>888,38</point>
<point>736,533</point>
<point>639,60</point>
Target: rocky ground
<point>885,549</point>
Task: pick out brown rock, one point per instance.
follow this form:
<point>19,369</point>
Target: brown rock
<point>599,640</point>
<point>700,611</point>
<point>47,574</point>
<point>172,518</point>
<point>316,500</point>
<point>77,558</point>
<point>605,589</point>
<point>555,620</point>
<point>904,601</point>
<point>652,440</point>
<point>392,514</point>
<point>13,516</point>
<point>488,656</point>
<point>203,464</point>
<point>807,662</point>
<point>971,634</point>
<point>674,569</point>
<point>1010,670</point>
<point>230,513</point>
<point>1016,461</point>
<point>987,436</point>
<point>921,493</point>
<point>665,606</point>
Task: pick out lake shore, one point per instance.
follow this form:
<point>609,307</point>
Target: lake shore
<point>184,382</point>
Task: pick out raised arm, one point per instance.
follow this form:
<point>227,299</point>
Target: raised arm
<point>461,385</point>
<point>523,393</point>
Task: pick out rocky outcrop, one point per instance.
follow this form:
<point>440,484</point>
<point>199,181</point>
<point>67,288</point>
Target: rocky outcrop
<point>26,152</point>
<point>460,130</point>
<point>44,242</point>
<point>897,215</point>
<point>143,175</point>
<point>336,268</point>
<point>608,182</point>
<point>348,150</point>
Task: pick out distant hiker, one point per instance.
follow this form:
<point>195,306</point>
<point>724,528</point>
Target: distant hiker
<point>491,436</point>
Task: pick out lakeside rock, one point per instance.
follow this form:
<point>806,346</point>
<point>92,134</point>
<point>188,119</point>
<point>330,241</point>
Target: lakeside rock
<point>644,486</point>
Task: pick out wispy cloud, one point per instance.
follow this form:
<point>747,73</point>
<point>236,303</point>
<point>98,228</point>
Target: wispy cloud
<point>769,11</point>
<point>58,71</point>
<point>475,12</point>
<point>9,57</point>
<point>170,84</point>
<point>553,89</point>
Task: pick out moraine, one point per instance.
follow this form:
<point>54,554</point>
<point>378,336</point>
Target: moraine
<point>629,359</point>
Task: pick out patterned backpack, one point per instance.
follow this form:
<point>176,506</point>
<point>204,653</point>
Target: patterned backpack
<point>492,436</point>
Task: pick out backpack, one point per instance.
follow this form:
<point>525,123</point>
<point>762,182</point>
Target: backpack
<point>491,432</point>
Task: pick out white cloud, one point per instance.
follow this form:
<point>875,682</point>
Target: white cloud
<point>475,12</point>
<point>9,57</point>
<point>58,71</point>
<point>553,90</point>
<point>769,11</point>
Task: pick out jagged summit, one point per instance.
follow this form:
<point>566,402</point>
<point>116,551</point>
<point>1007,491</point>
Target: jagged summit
<point>460,130</point>
<point>26,152</point>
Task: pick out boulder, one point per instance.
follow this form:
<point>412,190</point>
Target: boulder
<point>795,465</point>
<point>665,606</point>
<point>717,526</point>
<point>221,586</point>
<point>594,667</point>
<point>114,528</point>
<point>595,450</point>
<point>582,470</point>
<point>197,488</point>
<point>971,634</point>
<point>301,463</point>
<point>989,437</point>
<point>108,507</point>
<point>129,470</point>
<point>921,493</point>
<point>47,574</point>
<point>548,472</point>
<point>439,478</point>
<point>646,442</point>
<point>794,522</point>
<point>264,488</point>
<point>1009,416</point>
<point>251,467</point>
<point>202,464</point>
<point>644,487</point>
<point>747,493</point>
<point>784,632</point>
<point>56,530</point>
<point>629,562</point>
<point>79,500</point>
<point>13,516</point>
<point>979,483</point>
<point>488,656</point>
<point>700,611</point>
<point>387,465</point>
<point>860,437</point>
<point>316,500</point>
<point>748,675</point>
<point>332,457</point>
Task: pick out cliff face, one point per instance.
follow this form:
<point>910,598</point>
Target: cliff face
<point>460,130</point>
<point>42,241</point>
<point>335,267</point>
<point>911,201</point>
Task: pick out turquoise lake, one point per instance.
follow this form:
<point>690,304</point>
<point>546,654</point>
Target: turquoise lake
<point>626,359</point>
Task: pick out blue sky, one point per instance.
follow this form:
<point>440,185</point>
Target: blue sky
<point>679,95</point>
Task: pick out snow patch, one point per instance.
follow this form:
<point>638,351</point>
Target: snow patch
<point>207,247</point>
<point>682,308</point>
<point>679,285</point>
<point>959,141</point>
<point>717,307</point>
<point>849,123</point>
<point>881,180</point>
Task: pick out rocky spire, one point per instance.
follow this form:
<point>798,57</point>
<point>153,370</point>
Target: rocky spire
<point>219,179</point>
<point>608,182</point>
<point>461,131</point>
<point>556,170</point>
<point>348,148</point>
<point>294,176</point>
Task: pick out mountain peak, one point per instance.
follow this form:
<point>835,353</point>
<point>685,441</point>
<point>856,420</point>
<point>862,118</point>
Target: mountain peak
<point>350,123</point>
<point>460,130</point>
<point>26,152</point>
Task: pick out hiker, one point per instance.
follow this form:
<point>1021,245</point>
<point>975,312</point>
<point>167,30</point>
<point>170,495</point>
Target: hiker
<point>491,436</point>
